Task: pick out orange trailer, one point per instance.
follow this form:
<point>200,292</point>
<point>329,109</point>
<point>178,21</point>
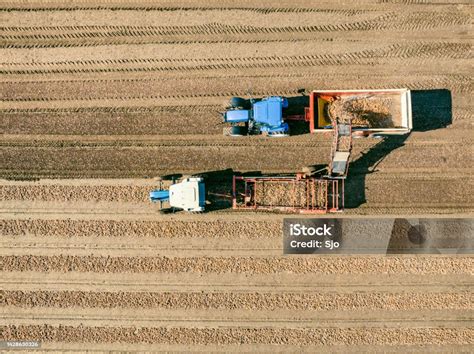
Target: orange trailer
<point>392,116</point>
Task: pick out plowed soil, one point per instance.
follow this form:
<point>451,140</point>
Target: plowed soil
<point>99,98</point>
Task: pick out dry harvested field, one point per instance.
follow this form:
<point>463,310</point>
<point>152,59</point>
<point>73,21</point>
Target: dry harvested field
<point>99,98</point>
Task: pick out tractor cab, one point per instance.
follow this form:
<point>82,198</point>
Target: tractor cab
<point>258,116</point>
<point>268,115</point>
<point>269,111</point>
<point>188,195</point>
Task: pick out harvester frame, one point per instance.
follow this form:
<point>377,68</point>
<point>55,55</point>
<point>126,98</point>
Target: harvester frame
<point>246,198</point>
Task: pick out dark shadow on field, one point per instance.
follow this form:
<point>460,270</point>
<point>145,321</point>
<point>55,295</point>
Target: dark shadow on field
<point>431,236</point>
<point>218,189</point>
<point>296,106</point>
<point>409,238</point>
<point>219,186</point>
<point>431,109</point>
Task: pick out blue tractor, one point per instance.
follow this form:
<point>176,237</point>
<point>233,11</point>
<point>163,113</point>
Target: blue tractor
<point>249,117</point>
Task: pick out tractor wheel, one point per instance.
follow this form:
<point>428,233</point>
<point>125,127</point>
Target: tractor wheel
<point>238,102</point>
<point>238,131</point>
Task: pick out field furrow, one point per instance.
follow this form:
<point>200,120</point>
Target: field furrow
<point>288,336</point>
<point>260,300</point>
<point>248,265</point>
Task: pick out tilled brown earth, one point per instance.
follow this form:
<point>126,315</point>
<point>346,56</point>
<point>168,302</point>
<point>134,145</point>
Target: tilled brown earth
<point>239,336</point>
<point>261,301</point>
<point>135,89</point>
<point>69,193</point>
<point>27,160</point>
<point>251,265</point>
<point>141,228</point>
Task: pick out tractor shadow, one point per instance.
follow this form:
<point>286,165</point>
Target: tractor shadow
<point>219,187</point>
<point>296,106</point>
<point>431,110</point>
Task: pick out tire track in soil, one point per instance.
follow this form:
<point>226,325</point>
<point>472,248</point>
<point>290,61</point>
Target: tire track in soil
<point>65,142</point>
<point>422,51</point>
<point>423,2</point>
<point>190,89</point>
<point>57,142</point>
<point>138,7</point>
<point>138,41</point>
<point>112,109</point>
<point>258,322</point>
<point>94,161</point>
<point>199,284</point>
<point>255,74</point>
<point>198,122</point>
<point>121,124</point>
<point>390,20</point>
<point>200,119</point>
<point>195,282</point>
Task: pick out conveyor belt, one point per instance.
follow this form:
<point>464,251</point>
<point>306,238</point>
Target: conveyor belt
<point>341,147</point>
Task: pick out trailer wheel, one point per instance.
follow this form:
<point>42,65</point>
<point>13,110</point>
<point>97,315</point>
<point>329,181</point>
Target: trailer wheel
<point>238,102</point>
<point>238,131</point>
